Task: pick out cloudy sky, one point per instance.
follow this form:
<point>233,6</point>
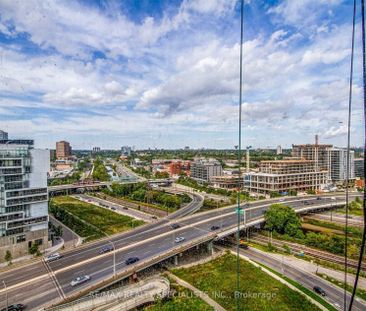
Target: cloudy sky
<point>165,73</point>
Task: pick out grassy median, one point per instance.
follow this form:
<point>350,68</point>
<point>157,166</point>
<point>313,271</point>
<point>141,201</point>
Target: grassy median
<point>258,291</point>
<point>88,220</point>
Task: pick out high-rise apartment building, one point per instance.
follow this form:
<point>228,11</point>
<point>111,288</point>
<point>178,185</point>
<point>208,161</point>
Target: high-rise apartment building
<point>359,167</point>
<point>63,150</point>
<point>23,197</point>
<point>284,175</point>
<point>3,135</point>
<point>204,169</point>
<point>339,165</point>
<point>279,150</point>
<point>126,151</point>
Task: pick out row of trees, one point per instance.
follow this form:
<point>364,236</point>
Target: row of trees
<point>100,172</point>
<point>141,192</point>
<point>286,224</point>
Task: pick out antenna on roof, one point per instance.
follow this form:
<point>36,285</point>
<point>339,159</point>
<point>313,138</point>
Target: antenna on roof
<point>316,139</point>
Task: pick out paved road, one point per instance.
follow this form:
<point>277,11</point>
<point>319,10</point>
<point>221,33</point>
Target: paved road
<point>26,284</point>
<point>120,208</point>
<point>308,280</point>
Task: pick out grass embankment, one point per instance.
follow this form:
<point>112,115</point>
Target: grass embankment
<point>258,290</point>
<point>88,220</point>
<point>141,193</point>
<point>181,299</point>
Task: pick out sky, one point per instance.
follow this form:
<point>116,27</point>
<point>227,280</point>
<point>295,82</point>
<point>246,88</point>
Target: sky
<point>165,74</point>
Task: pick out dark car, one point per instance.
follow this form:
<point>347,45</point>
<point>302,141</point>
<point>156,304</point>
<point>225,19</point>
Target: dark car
<point>174,226</point>
<point>125,207</point>
<point>113,208</point>
<point>106,249</point>
<point>131,260</point>
<point>319,290</point>
<point>215,228</point>
<point>306,202</point>
<point>16,307</point>
<point>318,198</point>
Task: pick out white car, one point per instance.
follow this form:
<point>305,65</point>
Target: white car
<point>80,280</point>
<point>179,239</point>
<point>52,257</point>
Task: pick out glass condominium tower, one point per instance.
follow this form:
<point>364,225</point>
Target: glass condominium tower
<point>23,197</point>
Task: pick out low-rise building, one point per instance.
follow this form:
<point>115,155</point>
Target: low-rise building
<point>229,182</point>
<point>284,175</point>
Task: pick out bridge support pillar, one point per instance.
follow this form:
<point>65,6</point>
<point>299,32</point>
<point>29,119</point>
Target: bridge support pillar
<point>176,260</point>
<point>210,247</point>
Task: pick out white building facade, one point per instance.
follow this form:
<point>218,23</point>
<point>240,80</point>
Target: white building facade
<point>23,197</point>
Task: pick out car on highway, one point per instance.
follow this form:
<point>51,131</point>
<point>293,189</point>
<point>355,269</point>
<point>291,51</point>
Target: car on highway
<point>319,290</point>
<point>124,207</point>
<point>105,249</point>
<point>179,239</point>
<point>174,226</point>
<point>318,198</point>
<point>306,202</point>
<point>52,257</point>
<point>213,228</point>
<point>131,260</point>
<point>113,208</point>
<point>80,280</point>
<point>15,307</point>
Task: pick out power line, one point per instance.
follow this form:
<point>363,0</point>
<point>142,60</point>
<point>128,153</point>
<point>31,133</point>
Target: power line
<point>348,158</point>
<point>237,296</point>
<point>362,250</point>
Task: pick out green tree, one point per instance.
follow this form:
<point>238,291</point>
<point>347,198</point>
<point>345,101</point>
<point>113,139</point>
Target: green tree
<point>34,249</point>
<point>282,219</point>
<point>8,257</point>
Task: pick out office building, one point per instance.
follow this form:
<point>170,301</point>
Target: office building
<point>279,150</point>
<point>126,151</point>
<point>284,175</point>
<point>339,165</point>
<point>359,167</point>
<point>3,135</point>
<point>203,169</point>
<point>63,150</point>
<point>23,197</point>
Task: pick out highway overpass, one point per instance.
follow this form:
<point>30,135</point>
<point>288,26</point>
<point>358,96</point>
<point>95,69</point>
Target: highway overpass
<point>39,284</point>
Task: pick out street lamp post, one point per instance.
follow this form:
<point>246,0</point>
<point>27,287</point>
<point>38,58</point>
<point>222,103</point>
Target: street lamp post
<point>6,296</point>
<point>114,259</point>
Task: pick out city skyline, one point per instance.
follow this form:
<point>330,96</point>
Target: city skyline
<point>122,71</point>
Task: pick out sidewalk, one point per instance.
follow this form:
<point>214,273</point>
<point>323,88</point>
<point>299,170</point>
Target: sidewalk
<point>30,257</point>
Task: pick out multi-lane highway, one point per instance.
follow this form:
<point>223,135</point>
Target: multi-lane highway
<point>30,283</point>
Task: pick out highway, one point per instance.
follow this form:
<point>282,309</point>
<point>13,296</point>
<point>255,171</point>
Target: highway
<point>29,283</point>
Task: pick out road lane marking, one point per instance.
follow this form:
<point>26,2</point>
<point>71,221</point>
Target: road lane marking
<point>136,244</point>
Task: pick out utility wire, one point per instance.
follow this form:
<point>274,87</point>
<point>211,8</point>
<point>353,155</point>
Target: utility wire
<point>348,158</point>
<point>363,32</point>
<point>237,296</point>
